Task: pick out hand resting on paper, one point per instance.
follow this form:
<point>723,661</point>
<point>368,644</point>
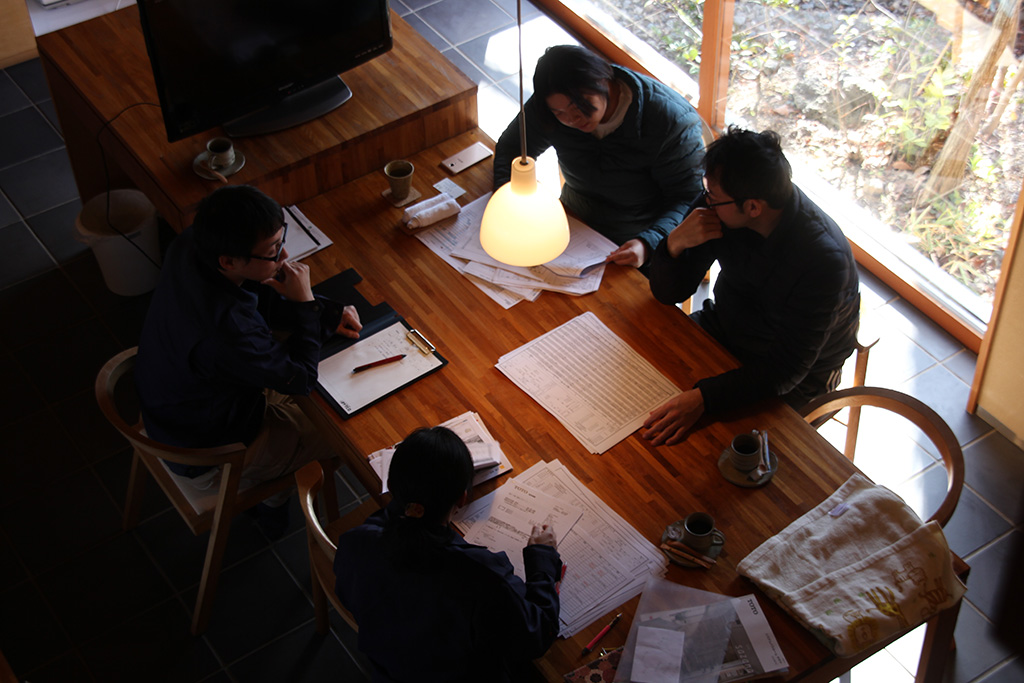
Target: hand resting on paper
<point>631,253</point>
<point>349,325</point>
<point>543,534</point>
<point>668,424</point>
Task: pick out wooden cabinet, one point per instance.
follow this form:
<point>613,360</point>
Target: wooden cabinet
<point>17,40</point>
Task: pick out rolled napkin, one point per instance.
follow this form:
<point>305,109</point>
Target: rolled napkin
<point>857,569</point>
<point>430,211</point>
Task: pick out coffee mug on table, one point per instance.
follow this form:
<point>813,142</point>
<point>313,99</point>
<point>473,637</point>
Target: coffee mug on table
<point>221,153</point>
<point>399,174</point>
<point>699,532</point>
<point>745,451</point>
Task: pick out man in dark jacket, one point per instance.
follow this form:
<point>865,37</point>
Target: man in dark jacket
<point>629,147</point>
<point>211,371</point>
<point>787,300</point>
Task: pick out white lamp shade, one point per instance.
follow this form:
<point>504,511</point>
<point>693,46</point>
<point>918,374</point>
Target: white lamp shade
<point>523,225</point>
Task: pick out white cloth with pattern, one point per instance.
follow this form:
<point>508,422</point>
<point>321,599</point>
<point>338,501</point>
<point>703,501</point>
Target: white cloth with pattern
<point>859,568</point>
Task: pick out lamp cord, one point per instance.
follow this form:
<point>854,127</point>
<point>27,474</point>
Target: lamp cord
<point>522,108</point>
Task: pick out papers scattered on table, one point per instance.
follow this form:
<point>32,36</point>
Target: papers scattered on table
<point>607,560</point>
<point>692,636</point>
<point>591,380</point>
<point>304,238</point>
<point>488,459</point>
<point>577,271</point>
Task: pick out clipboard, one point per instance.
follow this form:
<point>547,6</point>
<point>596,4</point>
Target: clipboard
<point>385,333</point>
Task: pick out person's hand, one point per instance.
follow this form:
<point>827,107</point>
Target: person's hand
<point>292,281</point>
<point>631,253</point>
<point>349,325</point>
<point>668,424</point>
<point>696,229</point>
<point>543,534</point>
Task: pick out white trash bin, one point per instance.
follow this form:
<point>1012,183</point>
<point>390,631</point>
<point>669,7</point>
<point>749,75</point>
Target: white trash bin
<point>126,269</point>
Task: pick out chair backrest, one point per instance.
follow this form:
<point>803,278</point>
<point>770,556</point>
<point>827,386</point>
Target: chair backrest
<point>107,381</point>
<point>309,479</point>
<point>926,419</point>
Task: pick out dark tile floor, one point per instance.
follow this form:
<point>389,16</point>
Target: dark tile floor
<point>84,601</point>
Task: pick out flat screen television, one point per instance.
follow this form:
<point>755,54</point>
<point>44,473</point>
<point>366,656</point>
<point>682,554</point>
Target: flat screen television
<point>256,66</point>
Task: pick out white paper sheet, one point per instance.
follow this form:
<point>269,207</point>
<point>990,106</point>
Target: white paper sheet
<point>659,655</point>
<point>351,390</point>
<point>592,381</point>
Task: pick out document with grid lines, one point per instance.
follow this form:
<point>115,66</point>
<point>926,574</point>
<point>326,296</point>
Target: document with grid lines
<point>592,381</point>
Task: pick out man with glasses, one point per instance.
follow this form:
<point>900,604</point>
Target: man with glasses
<point>786,302</point>
<point>233,330</point>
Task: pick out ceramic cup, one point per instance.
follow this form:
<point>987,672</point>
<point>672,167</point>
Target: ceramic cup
<point>745,451</point>
<point>222,153</point>
<point>699,532</point>
<point>399,174</point>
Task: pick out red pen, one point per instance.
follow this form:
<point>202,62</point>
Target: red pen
<point>376,363</point>
<point>601,634</point>
<point>558,584</point>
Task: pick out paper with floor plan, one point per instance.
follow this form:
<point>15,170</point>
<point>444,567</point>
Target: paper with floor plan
<point>587,377</point>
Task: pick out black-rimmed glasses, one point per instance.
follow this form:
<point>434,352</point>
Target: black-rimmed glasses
<point>277,256</point>
<point>710,204</point>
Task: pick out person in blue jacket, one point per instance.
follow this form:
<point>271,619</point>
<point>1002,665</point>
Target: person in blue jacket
<point>629,147</point>
<point>429,605</point>
<point>787,299</point>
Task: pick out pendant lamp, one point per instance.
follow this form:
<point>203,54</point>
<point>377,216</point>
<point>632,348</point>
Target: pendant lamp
<point>522,224</point>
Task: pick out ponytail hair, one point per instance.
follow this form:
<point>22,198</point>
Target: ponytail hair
<point>430,471</point>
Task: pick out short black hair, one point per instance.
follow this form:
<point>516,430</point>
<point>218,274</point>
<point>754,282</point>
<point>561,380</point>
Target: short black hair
<point>232,220</point>
<point>750,165</point>
<point>572,71</point>
<point>432,467</point>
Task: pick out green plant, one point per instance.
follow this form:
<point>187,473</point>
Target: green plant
<point>961,237</point>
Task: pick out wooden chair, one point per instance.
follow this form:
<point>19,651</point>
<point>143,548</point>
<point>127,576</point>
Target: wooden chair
<point>322,548</point>
<point>917,412</point>
<point>211,510</point>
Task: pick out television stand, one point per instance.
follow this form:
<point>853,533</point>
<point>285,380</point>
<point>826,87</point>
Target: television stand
<point>408,99</point>
<point>305,105</point>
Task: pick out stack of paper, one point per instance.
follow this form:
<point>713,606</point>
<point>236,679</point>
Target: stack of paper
<point>592,381</point>
<point>577,271</point>
<point>488,459</point>
<point>607,560</point>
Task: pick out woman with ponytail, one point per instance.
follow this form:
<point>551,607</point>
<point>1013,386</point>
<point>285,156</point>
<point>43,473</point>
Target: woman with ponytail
<point>431,607</point>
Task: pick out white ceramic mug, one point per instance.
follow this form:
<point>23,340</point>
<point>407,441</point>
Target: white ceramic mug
<point>699,532</point>
<point>745,451</point>
<point>221,153</point>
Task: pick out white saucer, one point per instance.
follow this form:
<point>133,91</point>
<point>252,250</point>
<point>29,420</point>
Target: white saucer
<point>203,171</point>
<point>743,479</point>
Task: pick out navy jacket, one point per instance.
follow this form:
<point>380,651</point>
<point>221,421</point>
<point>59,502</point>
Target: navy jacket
<point>460,619</point>
<point>207,352</point>
<point>637,181</point>
<point>788,307</point>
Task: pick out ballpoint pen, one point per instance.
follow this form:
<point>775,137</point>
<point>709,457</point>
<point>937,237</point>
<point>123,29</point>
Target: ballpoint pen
<point>376,363</point>
<point>601,634</point>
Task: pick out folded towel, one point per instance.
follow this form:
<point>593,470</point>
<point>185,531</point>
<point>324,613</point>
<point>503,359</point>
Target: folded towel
<point>425,204</point>
<point>857,569</point>
<point>430,211</point>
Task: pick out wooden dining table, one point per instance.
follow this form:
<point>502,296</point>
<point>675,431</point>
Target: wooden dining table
<point>650,487</point>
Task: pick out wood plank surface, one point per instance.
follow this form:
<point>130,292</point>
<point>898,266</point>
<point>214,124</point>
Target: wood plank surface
<point>403,101</point>
<point>650,487</point>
